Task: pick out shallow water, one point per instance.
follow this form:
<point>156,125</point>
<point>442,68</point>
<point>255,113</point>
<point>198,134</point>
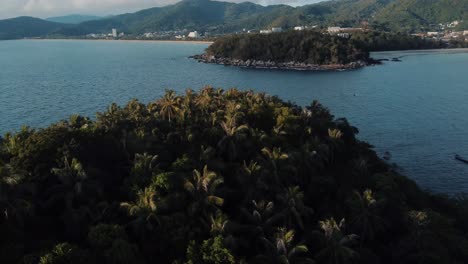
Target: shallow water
<point>416,109</point>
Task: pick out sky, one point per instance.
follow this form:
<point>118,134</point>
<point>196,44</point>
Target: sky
<point>48,8</point>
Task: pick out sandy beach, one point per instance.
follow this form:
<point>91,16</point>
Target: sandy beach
<point>128,40</point>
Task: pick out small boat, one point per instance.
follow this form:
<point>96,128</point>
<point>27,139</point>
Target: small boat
<point>460,158</point>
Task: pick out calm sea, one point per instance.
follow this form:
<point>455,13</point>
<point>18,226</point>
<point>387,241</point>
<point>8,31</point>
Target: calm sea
<point>416,109</point>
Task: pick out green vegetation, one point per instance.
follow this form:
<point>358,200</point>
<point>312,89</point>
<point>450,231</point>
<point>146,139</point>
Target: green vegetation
<point>224,17</point>
<point>380,41</point>
<point>73,19</point>
<point>215,177</point>
<point>313,47</point>
<point>26,27</point>
<point>299,46</point>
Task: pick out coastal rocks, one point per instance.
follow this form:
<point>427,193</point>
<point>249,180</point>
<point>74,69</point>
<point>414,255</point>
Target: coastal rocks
<point>292,65</point>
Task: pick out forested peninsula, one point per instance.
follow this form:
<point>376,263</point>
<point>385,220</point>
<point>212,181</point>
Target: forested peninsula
<point>215,177</point>
<point>307,50</point>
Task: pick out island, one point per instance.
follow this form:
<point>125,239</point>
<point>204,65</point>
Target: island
<point>308,50</point>
<point>292,50</point>
<point>218,177</point>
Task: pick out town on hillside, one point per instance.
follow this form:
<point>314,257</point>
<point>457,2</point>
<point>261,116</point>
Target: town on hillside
<point>446,33</point>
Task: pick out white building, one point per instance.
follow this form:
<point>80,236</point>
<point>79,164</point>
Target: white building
<point>299,28</point>
<point>465,33</point>
<point>432,34</point>
<point>276,29</point>
<point>334,29</point>
<point>343,35</point>
<point>265,31</point>
<point>114,32</point>
<point>194,34</point>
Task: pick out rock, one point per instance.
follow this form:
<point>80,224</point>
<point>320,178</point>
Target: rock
<point>290,65</point>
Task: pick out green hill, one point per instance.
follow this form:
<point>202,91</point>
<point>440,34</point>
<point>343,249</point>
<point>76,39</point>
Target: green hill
<point>225,17</point>
<point>27,27</point>
<point>421,14</point>
<point>73,19</point>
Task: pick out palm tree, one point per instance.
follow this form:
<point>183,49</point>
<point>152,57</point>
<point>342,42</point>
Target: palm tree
<point>169,105</point>
<point>202,187</point>
<point>283,250</point>
<point>365,218</point>
<point>144,165</point>
<point>143,210</point>
<point>295,209</point>
<point>274,157</point>
<point>337,248</point>
<point>218,223</point>
<point>233,134</point>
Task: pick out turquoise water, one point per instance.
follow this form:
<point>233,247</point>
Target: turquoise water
<point>416,109</point>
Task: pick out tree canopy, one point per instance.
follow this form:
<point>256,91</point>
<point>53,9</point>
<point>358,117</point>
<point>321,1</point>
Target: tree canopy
<point>215,176</point>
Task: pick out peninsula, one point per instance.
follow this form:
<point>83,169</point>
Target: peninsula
<point>215,177</point>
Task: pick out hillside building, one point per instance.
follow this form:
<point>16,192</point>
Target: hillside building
<point>194,34</point>
<point>114,32</point>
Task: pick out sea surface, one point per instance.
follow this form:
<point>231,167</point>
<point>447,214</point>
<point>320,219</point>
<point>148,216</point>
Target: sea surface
<point>416,109</point>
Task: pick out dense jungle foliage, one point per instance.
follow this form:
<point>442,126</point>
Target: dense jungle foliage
<point>215,177</point>
<point>314,47</point>
<point>382,41</point>
<point>300,46</point>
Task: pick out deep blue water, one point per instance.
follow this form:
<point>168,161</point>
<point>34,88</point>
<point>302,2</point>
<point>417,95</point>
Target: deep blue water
<point>417,109</point>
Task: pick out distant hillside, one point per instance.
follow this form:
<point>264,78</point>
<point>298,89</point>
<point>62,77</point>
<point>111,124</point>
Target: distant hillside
<point>192,14</point>
<point>73,19</point>
<point>27,27</point>
<point>420,14</point>
<point>225,17</point>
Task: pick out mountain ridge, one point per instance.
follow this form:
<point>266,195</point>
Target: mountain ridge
<point>226,17</point>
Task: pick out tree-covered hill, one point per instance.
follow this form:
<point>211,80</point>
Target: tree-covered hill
<point>215,177</point>
<point>299,46</point>
<point>73,19</point>
<point>26,27</point>
<point>409,15</point>
<point>225,17</point>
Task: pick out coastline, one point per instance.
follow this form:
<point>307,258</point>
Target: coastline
<point>123,40</point>
<point>292,65</point>
<point>422,51</point>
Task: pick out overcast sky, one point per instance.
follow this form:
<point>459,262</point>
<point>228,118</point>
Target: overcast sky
<point>48,8</point>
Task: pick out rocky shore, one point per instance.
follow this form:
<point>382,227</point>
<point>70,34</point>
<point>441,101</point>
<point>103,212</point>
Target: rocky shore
<point>292,65</point>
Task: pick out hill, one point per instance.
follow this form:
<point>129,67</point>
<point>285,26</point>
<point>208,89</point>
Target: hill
<point>27,27</point>
<point>73,19</point>
<point>224,17</point>
<point>299,50</point>
<point>408,15</point>
<point>215,177</point>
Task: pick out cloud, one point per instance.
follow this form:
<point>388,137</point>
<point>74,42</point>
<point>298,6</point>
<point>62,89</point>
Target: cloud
<point>45,8</point>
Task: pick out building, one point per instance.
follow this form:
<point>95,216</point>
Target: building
<point>265,31</point>
<point>335,30</point>
<point>194,34</point>
<point>114,32</point>
<point>343,35</point>
<point>299,28</point>
<point>332,30</point>
<point>433,34</point>
<point>276,29</point>
<point>465,33</point>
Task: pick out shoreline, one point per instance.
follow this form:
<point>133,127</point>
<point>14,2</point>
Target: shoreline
<point>422,51</point>
<point>123,40</point>
<point>271,65</point>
